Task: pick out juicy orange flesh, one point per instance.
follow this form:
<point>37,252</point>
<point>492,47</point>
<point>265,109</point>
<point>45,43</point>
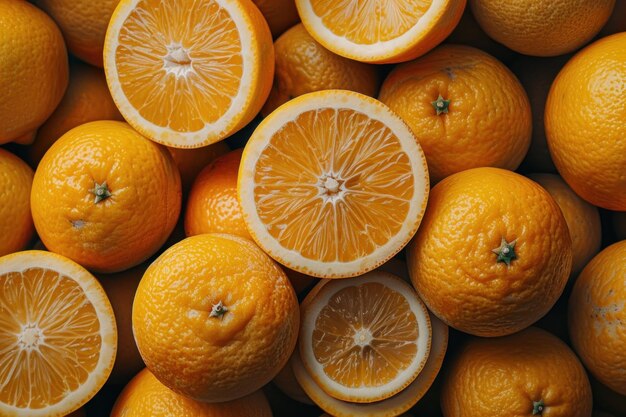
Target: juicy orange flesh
<point>369,309</point>
<point>49,338</point>
<point>360,153</point>
<point>370,21</point>
<point>179,62</point>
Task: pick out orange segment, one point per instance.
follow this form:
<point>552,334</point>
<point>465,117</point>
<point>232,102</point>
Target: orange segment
<point>57,335</point>
<point>332,184</point>
<point>364,339</point>
<point>188,73</point>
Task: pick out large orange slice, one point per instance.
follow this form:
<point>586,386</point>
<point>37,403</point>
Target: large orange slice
<point>364,339</point>
<point>187,73</point>
<point>57,335</point>
<point>332,184</point>
<point>380,31</point>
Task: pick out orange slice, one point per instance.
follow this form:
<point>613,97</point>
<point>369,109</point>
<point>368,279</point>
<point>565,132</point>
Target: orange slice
<point>364,339</point>
<point>380,31</point>
<point>332,184</point>
<point>187,73</point>
<point>57,335</point>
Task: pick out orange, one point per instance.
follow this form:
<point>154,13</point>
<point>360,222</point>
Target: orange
<point>33,70</point>
<point>215,318</point>
<point>493,253</point>
<point>120,289</point>
<point>83,23</point>
<point>105,196</point>
<point>465,108</point>
<point>188,73</point>
<point>280,14</point>
<point>526,374</point>
<point>87,99</point>
<point>542,27</point>
<point>380,31</point>
<point>583,219</point>
<point>212,206</point>
<point>16,222</point>
<point>332,184</point>
<point>304,66</point>
<point>364,339</point>
<point>57,335</point>
<point>287,383</point>
<point>191,161</point>
<point>596,316</point>
<point>586,123</point>
<point>145,396</point>
<point>392,406</point>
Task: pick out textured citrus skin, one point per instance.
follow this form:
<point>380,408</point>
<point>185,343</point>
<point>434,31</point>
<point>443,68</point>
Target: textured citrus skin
<point>212,206</point>
<point>215,358</point>
<point>83,23</point>
<point>191,161</point>
<point>146,396</point>
<point>452,265</point>
<point>87,99</point>
<point>304,66</point>
<point>586,123</point>
<point>542,27</point>
<point>597,313</point>
<point>120,231</point>
<point>502,377</point>
<point>488,121</point>
<point>583,219</point>
<point>33,69</point>
<point>16,222</point>
<point>280,14</point>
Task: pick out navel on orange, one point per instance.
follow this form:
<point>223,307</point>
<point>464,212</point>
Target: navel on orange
<point>57,335</point>
<point>332,184</point>
<point>188,73</point>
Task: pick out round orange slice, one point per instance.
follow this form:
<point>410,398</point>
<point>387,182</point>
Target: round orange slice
<point>188,73</point>
<point>380,31</point>
<point>332,184</point>
<point>57,335</point>
<point>364,339</point>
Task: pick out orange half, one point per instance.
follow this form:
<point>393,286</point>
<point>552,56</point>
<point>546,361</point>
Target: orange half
<point>57,335</point>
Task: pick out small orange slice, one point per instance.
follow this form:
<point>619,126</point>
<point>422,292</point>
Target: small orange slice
<point>332,184</point>
<point>187,73</point>
<point>57,335</point>
<point>364,339</point>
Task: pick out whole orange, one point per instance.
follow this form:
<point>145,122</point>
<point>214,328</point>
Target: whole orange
<point>16,222</point>
<point>105,196</point>
<point>531,373</point>
<point>492,254</point>
<point>212,206</point>
<point>87,99</point>
<point>542,27</point>
<point>280,14</point>
<point>465,108</point>
<point>145,396</point>
<point>597,315</point>
<point>585,123</point>
<point>33,69</point>
<point>191,161</point>
<point>215,318</point>
<point>304,66</point>
<point>83,23</point>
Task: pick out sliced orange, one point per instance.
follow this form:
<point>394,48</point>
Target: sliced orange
<point>57,335</point>
<point>332,184</point>
<point>364,339</point>
<point>187,73</point>
<point>380,31</point>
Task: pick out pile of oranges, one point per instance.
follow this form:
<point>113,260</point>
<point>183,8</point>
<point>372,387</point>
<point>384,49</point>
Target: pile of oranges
<point>256,208</point>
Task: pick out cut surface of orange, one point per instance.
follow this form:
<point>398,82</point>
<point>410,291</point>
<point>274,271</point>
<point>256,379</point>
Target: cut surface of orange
<point>380,31</point>
<point>392,406</point>
<point>188,73</point>
<point>57,335</point>
<point>364,339</point>
<point>332,184</point>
